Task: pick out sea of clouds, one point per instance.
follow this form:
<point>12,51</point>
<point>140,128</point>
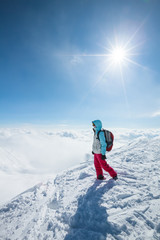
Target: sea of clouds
<point>33,154</point>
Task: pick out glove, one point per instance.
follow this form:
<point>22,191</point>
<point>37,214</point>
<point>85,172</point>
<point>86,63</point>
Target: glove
<point>103,157</point>
<point>92,152</point>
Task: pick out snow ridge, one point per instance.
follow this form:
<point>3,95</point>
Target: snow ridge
<point>75,205</point>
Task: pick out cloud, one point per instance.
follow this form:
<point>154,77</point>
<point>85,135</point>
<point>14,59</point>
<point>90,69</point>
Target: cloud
<point>156,114</point>
<point>29,155</point>
<point>36,151</point>
<point>76,60</point>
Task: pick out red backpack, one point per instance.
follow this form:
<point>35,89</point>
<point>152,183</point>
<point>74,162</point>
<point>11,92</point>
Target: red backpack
<point>109,137</point>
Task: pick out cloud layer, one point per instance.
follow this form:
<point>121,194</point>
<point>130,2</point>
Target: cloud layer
<point>31,155</point>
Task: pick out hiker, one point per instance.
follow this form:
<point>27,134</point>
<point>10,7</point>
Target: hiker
<point>99,151</point>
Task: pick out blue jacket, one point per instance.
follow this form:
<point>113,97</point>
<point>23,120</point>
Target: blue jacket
<point>99,146</point>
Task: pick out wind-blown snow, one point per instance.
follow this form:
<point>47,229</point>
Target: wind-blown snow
<point>74,205</point>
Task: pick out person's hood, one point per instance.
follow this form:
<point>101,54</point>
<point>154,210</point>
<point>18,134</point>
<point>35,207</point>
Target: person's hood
<point>98,125</point>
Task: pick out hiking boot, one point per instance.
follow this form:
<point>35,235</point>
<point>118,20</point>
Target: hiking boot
<point>115,178</point>
<point>100,177</point>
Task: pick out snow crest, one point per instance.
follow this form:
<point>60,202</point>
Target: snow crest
<point>75,205</point>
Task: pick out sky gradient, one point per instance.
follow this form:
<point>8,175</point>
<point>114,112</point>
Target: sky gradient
<point>55,69</point>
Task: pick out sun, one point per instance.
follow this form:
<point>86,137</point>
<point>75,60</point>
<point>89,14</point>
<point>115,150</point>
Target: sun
<point>118,55</point>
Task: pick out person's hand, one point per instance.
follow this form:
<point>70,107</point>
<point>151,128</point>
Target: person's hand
<point>103,157</point>
<point>92,152</point>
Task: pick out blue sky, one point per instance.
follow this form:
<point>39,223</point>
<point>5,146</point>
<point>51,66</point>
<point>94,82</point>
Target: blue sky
<point>55,69</point>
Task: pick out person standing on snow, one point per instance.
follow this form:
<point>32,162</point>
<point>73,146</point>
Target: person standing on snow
<point>99,151</point>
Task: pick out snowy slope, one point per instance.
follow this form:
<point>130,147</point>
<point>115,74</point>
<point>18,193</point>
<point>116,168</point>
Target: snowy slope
<point>76,206</point>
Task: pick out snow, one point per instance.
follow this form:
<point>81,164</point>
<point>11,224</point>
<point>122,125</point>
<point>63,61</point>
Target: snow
<point>74,205</point>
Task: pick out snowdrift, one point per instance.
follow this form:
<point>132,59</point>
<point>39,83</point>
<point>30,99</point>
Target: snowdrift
<point>74,205</point>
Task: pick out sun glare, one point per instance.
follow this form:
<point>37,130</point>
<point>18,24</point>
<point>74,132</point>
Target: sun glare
<point>118,55</point>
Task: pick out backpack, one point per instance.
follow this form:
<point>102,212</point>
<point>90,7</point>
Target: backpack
<point>109,137</point>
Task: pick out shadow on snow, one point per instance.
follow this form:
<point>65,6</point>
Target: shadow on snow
<point>90,220</point>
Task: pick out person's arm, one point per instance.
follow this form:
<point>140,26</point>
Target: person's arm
<point>103,143</point>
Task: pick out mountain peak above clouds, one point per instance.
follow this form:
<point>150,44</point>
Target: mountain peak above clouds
<point>75,205</point>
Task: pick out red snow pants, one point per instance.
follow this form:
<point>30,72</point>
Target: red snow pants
<point>102,164</point>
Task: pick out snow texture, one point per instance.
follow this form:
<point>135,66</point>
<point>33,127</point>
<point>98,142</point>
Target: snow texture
<point>76,206</point>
